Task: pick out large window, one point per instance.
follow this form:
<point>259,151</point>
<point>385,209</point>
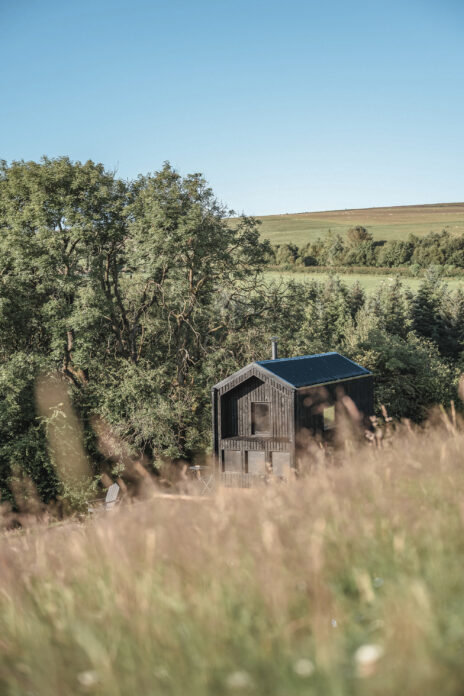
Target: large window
<point>260,419</point>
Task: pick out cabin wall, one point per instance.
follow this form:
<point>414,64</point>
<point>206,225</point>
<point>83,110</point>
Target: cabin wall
<point>294,415</point>
<point>236,409</point>
<point>232,419</point>
<point>311,401</point>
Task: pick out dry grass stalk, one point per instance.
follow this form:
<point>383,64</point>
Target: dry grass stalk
<point>289,585</point>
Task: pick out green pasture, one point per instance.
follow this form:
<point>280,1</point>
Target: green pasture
<point>368,282</point>
<point>382,223</point>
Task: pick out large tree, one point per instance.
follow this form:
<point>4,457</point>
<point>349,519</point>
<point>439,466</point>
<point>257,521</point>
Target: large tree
<point>136,293</point>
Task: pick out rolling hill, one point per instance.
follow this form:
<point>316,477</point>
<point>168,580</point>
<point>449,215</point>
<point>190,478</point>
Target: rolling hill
<point>384,223</point>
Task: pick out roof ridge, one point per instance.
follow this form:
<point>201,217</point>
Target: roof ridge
<point>325,368</point>
<point>300,357</point>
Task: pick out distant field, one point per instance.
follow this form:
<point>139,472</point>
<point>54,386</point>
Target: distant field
<point>368,282</point>
<point>384,223</point>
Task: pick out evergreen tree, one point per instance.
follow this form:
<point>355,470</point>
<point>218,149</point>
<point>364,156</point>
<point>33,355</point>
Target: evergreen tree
<point>390,305</point>
<point>431,318</point>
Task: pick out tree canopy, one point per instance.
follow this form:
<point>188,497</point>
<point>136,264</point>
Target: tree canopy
<point>139,295</point>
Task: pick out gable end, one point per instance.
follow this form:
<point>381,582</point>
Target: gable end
<point>252,370</point>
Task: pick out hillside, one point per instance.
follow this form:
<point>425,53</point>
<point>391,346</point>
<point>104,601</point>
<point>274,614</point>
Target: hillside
<point>384,223</point>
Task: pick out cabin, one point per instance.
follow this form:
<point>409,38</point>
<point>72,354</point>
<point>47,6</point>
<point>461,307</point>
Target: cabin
<point>260,412</point>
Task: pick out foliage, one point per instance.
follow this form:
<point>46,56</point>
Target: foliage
<point>411,376</point>
<point>357,235</point>
<point>141,295</point>
<point>23,445</point>
<point>125,289</point>
<point>358,248</point>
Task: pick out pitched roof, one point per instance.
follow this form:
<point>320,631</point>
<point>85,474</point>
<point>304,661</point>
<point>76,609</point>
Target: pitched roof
<point>306,370</point>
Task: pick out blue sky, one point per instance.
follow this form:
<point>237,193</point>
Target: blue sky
<point>284,106</point>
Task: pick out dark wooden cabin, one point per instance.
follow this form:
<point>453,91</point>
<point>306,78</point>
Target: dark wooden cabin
<point>261,411</point>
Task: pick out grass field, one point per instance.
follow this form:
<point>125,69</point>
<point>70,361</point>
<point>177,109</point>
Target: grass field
<point>347,582</point>
<point>368,282</point>
<point>383,223</point>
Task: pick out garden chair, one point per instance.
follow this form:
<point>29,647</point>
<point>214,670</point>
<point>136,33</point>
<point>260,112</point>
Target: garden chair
<point>111,499</point>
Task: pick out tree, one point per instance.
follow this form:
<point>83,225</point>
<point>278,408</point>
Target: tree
<point>391,307</point>
<point>431,315</point>
<point>143,294</point>
<point>410,375</point>
<point>193,278</point>
<point>396,253</point>
<point>61,224</point>
<point>286,254</point>
<point>127,290</point>
<point>333,251</point>
<point>358,234</point>
<point>362,254</point>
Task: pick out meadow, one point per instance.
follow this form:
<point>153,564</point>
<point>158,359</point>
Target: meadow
<point>346,582</point>
<point>383,223</point>
<point>369,282</point>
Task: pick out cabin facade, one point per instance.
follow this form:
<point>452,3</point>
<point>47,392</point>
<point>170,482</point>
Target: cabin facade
<point>260,412</point>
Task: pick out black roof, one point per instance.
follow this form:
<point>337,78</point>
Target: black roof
<point>306,370</point>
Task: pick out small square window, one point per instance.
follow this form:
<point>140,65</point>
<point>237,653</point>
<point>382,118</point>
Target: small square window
<point>260,419</point>
<point>329,418</point>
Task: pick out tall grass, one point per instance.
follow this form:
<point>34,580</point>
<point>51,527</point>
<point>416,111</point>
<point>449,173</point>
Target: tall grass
<point>347,581</point>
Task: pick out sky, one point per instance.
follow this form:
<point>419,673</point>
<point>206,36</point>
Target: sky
<point>284,106</point>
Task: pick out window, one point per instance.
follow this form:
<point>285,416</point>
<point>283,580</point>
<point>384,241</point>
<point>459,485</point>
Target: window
<point>329,417</point>
<point>260,419</point>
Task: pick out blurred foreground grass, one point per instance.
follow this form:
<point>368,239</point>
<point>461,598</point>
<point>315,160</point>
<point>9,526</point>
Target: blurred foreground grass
<point>348,581</point>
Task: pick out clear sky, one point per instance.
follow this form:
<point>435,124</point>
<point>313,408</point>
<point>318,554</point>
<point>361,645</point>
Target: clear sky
<point>284,105</point>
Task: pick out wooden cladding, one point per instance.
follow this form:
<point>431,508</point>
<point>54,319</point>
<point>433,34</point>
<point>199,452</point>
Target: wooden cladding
<point>261,425</point>
<point>232,460</point>
<point>255,407</point>
<point>281,463</point>
<point>256,462</point>
<point>313,402</point>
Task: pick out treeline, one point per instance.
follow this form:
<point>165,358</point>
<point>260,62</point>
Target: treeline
<point>140,295</point>
<point>358,248</point>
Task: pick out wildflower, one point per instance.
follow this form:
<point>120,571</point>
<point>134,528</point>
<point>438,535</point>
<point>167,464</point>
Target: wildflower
<point>304,667</point>
<point>88,679</point>
<point>239,680</point>
<point>366,658</point>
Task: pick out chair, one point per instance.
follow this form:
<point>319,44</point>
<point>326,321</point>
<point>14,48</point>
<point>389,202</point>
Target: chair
<point>111,499</point>
<point>204,477</point>
<point>112,496</point>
